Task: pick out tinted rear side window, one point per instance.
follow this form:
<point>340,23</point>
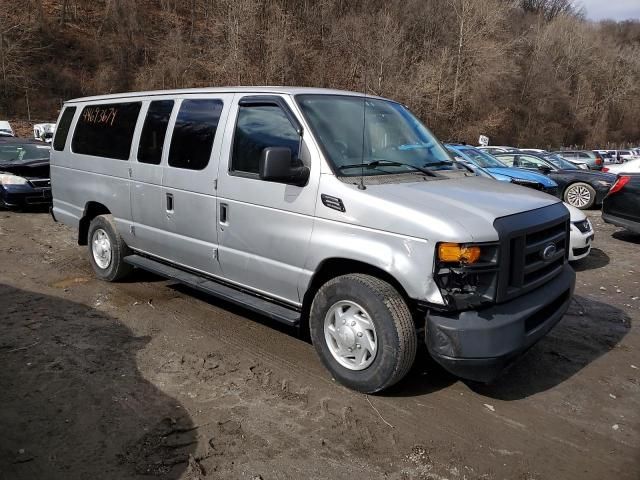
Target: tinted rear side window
<point>194,132</point>
<point>259,127</point>
<point>62,130</point>
<point>154,131</point>
<point>106,130</point>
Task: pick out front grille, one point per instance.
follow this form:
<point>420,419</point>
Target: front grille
<point>583,226</point>
<point>534,249</point>
<point>40,182</point>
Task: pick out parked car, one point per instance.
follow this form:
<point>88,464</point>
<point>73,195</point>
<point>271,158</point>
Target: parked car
<point>581,234</point>
<point>592,159</point>
<point>626,155</point>
<point>268,197</point>
<point>500,171</point>
<point>621,207</point>
<point>496,149</point>
<point>580,188</point>
<point>44,131</point>
<point>5,129</point>
<point>607,157</point>
<point>24,173</point>
<point>632,166</point>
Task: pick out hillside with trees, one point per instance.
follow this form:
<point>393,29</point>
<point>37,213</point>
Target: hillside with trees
<point>526,72</point>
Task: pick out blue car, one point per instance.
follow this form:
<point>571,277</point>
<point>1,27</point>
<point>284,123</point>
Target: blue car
<point>498,170</point>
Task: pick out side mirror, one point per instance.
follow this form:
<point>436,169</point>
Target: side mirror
<point>276,165</point>
<point>544,169</point>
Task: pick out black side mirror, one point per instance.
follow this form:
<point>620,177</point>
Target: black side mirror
<point>544,169</point>
<point>276,165</point>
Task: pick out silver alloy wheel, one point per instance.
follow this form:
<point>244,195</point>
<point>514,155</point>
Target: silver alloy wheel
<point>578,196</point>
<point>350,335</point>
<point>101,248</point>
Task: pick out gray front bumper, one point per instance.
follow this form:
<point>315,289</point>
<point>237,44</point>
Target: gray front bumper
<point>477,345</point>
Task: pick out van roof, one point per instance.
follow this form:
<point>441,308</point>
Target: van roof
<point>241,89</point>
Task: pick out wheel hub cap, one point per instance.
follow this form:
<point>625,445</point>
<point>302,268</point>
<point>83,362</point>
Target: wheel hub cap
<point>350,335</point>
<point>101,248</point>
<point>578,196</point>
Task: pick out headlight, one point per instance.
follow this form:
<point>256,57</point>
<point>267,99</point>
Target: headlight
<point>457,253</point>
<point>467,274</point>
<point>8,179</point>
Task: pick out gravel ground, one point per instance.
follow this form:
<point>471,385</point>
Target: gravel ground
<point>149,378</point>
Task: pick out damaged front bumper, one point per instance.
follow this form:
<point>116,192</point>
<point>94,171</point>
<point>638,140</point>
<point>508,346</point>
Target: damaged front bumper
<point>478,345</point>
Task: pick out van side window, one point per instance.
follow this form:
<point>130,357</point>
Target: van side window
<point>106,130</point>
<point>154,131</point>
<point>259,127</point>
<point>193,133</point>
<point>62,131</point>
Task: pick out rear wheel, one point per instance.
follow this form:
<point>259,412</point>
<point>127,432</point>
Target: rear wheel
<point>363,332</point>
<point>107,250</point>
<point>580,195</point>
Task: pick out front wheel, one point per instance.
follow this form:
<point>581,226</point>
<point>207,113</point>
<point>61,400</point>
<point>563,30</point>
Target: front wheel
<point>580,195</point>
<point>107,250</point>
<point>363,332</point>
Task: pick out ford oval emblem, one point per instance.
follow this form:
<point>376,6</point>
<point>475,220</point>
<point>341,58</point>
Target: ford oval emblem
<point>548,252</point>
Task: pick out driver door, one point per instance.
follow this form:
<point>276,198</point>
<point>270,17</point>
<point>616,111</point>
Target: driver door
<point>264,227</point>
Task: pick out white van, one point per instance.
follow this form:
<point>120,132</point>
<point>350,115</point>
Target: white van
<point>323,209</point>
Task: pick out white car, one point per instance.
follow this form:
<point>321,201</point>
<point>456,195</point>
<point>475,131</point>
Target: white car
<point>581,234</point>
<point>5,129</point>
<point>632,166</point>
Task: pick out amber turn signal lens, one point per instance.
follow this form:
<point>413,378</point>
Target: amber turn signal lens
<point>456,253</point>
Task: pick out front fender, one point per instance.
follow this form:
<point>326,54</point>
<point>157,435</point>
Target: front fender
<point>407,259</point>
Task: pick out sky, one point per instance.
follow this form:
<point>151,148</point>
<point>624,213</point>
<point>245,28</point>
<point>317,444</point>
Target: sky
<point>612,9</point>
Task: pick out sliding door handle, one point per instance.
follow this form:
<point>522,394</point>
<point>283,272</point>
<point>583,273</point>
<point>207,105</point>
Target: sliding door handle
<point>169,202</point>
<point>224,214</point>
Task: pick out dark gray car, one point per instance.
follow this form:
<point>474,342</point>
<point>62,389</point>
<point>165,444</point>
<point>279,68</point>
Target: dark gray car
<point>593,159</point>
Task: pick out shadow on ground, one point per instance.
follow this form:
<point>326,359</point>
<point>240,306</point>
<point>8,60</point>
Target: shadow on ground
<point>627,236</point>
<point>73,403</point>
<point>596,259</point>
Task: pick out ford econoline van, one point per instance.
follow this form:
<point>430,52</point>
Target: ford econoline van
<point>323,209</point>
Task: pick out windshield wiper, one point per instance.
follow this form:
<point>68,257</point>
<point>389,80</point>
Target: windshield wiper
<point>387,163</point>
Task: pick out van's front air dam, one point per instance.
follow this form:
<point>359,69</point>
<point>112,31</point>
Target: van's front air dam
<point>477,345</point>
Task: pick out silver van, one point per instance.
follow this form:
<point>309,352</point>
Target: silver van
<point>323,209</point>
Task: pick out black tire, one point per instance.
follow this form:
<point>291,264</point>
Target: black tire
<point>395,331</point>
<point>117,269</point>
<point>582,186</point>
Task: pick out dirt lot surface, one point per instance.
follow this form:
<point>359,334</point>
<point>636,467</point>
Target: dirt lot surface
<point>148,378</point>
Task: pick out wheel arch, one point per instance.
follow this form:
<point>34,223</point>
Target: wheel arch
<point>91,211</point>
<point>337,266</point>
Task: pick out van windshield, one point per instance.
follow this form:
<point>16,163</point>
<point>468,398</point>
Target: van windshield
<point>382,134</point>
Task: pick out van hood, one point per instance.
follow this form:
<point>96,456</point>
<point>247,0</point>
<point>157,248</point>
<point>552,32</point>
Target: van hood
<point>523,175</point>
<point>457,210</point>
